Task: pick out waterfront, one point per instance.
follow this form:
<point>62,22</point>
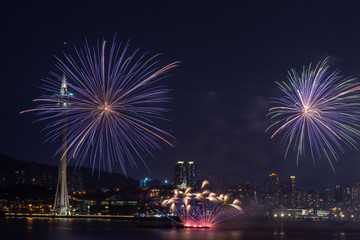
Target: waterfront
<point>111,229</point>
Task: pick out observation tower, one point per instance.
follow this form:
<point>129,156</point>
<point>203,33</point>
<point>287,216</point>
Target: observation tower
<point>61,204</point>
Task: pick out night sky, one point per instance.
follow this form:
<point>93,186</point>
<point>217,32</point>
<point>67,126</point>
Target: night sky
<point>231,54</point>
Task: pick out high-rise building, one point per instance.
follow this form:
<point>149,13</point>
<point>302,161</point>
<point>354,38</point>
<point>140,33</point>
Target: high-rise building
<point>293,191</point>
<point>180,174</point>
<point>272,185</point>
<point>272,190</point>
<point>357,191</point>
<point>338,193</point>
<point>185,174</point>
<point>191,174</point>
<point>292,184</point>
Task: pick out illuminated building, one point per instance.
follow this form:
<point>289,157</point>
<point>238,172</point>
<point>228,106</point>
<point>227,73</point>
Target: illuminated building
<point>180,174</point>
<point>273,184</point>
<point>272,190</point>
<point>191,174</point>
<point>338,193</point>
<point>293,191</point>
<point>357,191</point>
<point>185,174</point>
<point>346,193</point>
<point>144,183</point>
<point>292,184</point>
<point>244,191</point>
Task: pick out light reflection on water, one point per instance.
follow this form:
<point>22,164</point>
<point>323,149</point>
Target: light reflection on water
<point>105,229</point>
<point>201,234</point>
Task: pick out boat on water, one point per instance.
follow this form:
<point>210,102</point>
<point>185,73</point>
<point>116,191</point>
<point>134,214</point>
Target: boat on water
<point>166,223</point>
<point>192,226</point>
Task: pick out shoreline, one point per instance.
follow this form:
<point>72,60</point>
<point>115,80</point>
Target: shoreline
<point>250,224</point>
<point>39,215</point>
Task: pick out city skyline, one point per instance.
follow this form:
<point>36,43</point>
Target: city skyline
<point>45,175</point>
<point>275,198</point>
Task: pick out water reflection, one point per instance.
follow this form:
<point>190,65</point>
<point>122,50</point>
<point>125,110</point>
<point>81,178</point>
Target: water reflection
<point>340,235</point>
<point>200,234</point>
<point>101,229</point>
<point>279,233</point>
<point>29,224</point>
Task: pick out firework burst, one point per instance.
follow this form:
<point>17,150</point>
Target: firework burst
<point>201,209</point>
<point>108,105</point>
<point>319,111</point>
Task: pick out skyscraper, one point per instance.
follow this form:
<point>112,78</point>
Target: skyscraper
<point>273,184</point>
<point>180,174</point>
<point>185,174</point>
<point>191,174</point>
<point>338,193</point>
<point>292,184</point>
<point>272,189</point>
<point>293,191</point>
<point>61,203</point>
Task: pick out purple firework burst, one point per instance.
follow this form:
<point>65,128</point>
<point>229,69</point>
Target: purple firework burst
<point>320,111</point>
<point>108,106</point>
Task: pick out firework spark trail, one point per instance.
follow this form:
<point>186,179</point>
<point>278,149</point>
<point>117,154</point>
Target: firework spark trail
<point>320,110</point>
<point>201,209</point>
<point>223,219</point>
<point>164,215</point>
<point>111,112</point>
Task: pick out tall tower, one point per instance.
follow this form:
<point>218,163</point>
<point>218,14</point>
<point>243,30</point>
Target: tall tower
<point>61,204</point>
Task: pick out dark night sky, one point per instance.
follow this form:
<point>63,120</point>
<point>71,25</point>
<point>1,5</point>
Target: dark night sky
<point>231,54</point>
